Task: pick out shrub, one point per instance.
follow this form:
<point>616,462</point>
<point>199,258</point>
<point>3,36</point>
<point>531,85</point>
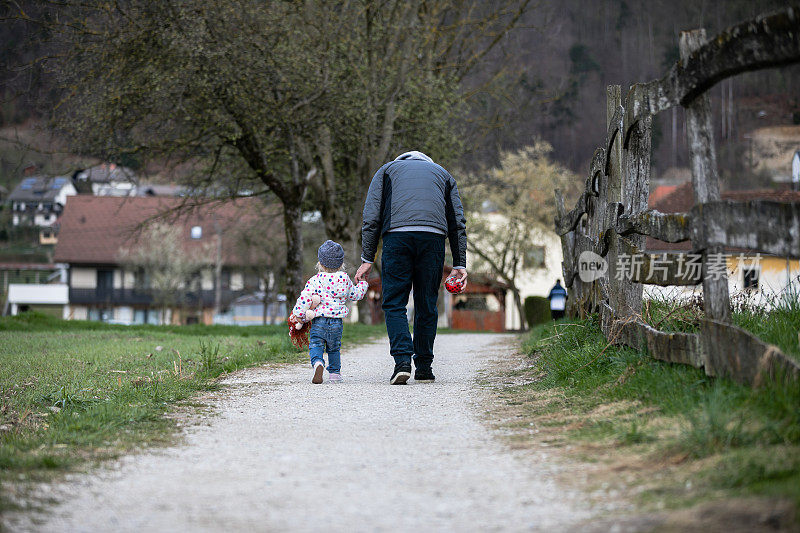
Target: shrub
<point>537,310</point>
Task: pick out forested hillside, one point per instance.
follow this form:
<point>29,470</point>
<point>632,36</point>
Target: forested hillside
<point>569,50</point>
<point>555,66</point>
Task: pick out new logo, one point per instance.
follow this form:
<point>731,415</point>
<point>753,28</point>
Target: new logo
<point>591,266</point>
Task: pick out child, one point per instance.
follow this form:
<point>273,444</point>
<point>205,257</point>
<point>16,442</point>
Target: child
<point>328,292</point>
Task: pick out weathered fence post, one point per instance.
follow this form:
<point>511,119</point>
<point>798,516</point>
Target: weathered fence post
<point>705,181</point>
<point>610,192</point>
<point>617,222</point>
<point>634,195</point>
<point>622,172</point>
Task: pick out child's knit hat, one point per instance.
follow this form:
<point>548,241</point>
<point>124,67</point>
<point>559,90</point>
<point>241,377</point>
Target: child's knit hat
<point>330,254</point>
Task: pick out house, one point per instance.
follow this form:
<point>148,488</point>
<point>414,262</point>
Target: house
<point>49,299</point>
<point>26,285</point>
<point>481,307</point>
<point>106,179</point>
<point>759,278</point>
<point>537,273</point>
<point>162,189</point>
<point>250,310</point>
<point>39,200</point>
<point>95,230</point>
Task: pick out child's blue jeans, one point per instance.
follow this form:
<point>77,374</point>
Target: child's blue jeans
<point>326,336</point>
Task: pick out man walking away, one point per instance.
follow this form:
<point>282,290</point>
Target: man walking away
<point>558,300</point>
<point>413,204</point>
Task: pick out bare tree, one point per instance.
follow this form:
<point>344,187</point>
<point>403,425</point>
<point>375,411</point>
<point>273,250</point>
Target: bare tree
<point>253,97</point>
<point>166,266</point>
<point>509,206</point>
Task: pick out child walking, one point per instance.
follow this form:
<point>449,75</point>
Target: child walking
<point>323,301</point>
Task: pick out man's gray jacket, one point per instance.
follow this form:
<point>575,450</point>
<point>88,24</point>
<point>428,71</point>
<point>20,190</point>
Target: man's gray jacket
<point>414,192</point>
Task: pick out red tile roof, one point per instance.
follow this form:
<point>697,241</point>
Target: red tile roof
<point>93,229</point>
<point>660,192</point>
<point>681,200</point>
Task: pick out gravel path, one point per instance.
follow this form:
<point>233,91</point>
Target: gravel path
<point>283,454</point>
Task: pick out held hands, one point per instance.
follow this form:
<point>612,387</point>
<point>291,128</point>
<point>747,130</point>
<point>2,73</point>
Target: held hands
<point>363,272</point>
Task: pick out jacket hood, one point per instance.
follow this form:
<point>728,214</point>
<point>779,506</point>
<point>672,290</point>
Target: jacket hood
<point>414,155</point>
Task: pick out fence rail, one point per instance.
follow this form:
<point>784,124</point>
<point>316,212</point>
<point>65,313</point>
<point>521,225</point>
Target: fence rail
<point>611,217</point>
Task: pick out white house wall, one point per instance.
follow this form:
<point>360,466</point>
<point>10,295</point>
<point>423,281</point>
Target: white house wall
<point>124,314</point>
<point>237,281</point>
<point>38,293</point>
<point>207,280</point>
<point>44,219</point>
<point>534,281</point>
<point>66,190</point>
<point>777,277</point>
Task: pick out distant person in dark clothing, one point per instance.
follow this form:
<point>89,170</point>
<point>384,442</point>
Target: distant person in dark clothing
<point>558,300</point>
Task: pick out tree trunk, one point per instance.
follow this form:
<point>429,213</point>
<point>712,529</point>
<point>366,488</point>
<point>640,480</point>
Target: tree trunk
<point>292,222</point>
<point>523,325</point>
<point>218,270</point>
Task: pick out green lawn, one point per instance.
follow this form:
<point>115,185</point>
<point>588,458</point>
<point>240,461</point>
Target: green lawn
<point>727,438</point>
<point>77,391</point>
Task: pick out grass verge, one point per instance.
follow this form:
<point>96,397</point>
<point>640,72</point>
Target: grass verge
<point>669,433</point>
<point>74,392</point>
<point>777,323</point>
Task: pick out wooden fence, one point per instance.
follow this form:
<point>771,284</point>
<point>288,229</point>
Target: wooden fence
<point>611,218</point>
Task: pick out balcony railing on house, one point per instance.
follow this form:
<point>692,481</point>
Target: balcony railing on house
<point>145,297</point>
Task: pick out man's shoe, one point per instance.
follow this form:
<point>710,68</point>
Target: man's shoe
<point>402,373</point>
<point>424,375</point>
<point>318,369</point>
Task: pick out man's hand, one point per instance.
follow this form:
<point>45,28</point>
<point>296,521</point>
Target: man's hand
<point>461,275</point>
<point>363,272</point>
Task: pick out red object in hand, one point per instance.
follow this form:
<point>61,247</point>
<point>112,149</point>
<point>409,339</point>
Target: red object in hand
<point>454,285</point>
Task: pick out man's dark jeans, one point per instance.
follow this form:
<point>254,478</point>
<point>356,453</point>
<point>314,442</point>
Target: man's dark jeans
<point>412,259</point>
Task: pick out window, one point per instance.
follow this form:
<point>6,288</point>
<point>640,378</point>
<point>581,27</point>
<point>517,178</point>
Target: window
<point>101,315</point>
<point>750,278</point>
<point>197,232</point>
<point>534,257</point>
<point>251,281</point>
<point>141,279</point>
<point>105,282</point>
<point>471,302</point>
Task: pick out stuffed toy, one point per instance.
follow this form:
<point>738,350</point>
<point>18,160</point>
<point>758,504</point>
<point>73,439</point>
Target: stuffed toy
<point>298,330</point>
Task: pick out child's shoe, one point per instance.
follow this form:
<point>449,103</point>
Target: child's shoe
<point>318,369</point>
<point>335,377</point>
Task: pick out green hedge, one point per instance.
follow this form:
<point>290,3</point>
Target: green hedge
<point>537,310</point>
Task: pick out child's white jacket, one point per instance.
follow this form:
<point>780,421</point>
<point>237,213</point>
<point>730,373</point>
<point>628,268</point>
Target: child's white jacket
<point>334,290</point>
